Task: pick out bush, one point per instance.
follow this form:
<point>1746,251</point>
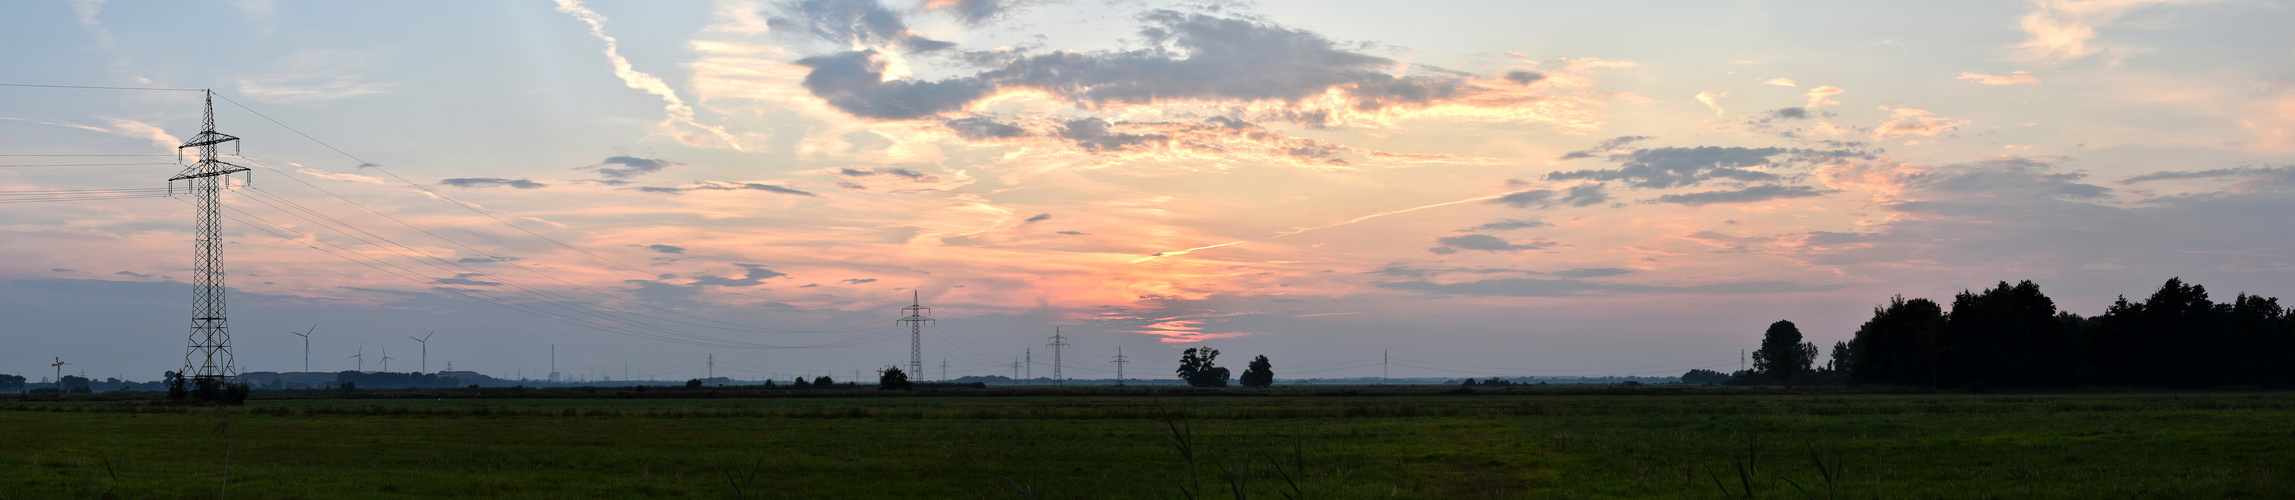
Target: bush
<point>693,384</point>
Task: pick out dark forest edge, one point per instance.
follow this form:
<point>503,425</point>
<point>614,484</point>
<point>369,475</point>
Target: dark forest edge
<point>2013,336</point>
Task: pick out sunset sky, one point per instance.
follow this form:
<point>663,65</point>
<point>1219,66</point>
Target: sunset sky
<point>1480,188</point>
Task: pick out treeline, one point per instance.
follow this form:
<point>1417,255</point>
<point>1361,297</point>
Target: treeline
<point>2014,336</point>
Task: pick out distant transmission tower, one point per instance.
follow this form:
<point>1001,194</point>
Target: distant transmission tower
<point>1058,342</point>
<point>1030,355</point>
<point>713,366</point>
<point>1015,369</point>
<point>915,317</point>
<point>1120,365</point>
<point>944,368</point>
<point>209,356</point>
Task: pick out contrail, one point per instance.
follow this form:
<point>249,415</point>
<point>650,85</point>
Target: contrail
<point>1383,214</point>
<point>1326,226</point>
<point>640,80</point>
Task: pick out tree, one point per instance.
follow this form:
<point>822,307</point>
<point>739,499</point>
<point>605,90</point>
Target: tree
<point>800,383</point>
<point>693,383</point>
<point>74,384</point>
<point>1195,366</point>
<point>1783,354</point>
<point>1703,376</point>
<point>824,382</point>
<point>1900,345</point>
<point>892,379</point>
<point>1843,357</point>
<point>1259,373</point>
<point>12,382</point>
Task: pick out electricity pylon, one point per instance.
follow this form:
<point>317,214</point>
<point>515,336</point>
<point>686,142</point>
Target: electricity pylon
<point>1120,365</point>
<point>915,317</point>
<point>1058,342</point>
<point>209,355</point>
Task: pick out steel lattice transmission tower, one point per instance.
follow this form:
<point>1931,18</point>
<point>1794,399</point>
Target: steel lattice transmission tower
<point>209,357</point>
<point>1058,342</point>
<point>916,318</point>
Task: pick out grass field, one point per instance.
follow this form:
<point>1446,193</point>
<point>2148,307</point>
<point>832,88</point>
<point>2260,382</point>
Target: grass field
<point>1325,443</point>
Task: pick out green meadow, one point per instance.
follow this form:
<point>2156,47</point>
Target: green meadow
<point>1665,442</point>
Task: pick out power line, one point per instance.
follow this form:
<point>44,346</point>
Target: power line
<point>92,87</point>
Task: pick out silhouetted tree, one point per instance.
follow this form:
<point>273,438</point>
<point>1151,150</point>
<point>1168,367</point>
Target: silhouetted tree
<point>2003,336</point>
<point>800,383</point>
<point>892,379</point>
<point>1899,345</point>
<point>1703,376</point>
<point>1843,357</point>
<point>1259,373</point>
<point>1195,366</point>
<point>1783,354</point>
<point>824,382</point>
<point>12,382</point>
<point>693,383</point>
<point>74,384</point>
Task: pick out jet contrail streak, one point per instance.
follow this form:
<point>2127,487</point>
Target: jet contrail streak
<point>1383,214</point>
<point>678,110</point>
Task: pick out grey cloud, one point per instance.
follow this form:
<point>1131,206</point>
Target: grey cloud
<point>979,128</point>
<point>476,182</point>
<point>724,186</point>
<point>662,293</point>
<point>61,270</point>
<point>133,274</point>
<point>666,248</point>
<point>1763,192</point>
<point>896,172</point>
<point>852,186</point>
<point>1075,233</point>
<point>752,275</point>
<point>1398,269</point>
<point>1676,167</point>
<point>975,12</point>
<point>630,166</point>
<point>1576,196</point>
<point>2005,176</point>
<point>1040,218</point>
<point>1605,146</point>
<point>1092,134</point>
<point>1532,287</point>
<point>1507,224</point>
<point>1789,113</point>
<point>848,22</point>
<point>1592,272</point>
<point>858,281</point>
<point>1442,250</point>
<point>1490,243</point>
<point>810,285</point>
<point>465,279</point>
<point>485,260</point>
<point>1523,77</point>
<point>2282,174</point>
<point>853,81</point>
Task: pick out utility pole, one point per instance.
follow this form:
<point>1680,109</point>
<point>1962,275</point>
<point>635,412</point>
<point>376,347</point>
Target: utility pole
<point>713,365</point>
<point>307,345</point>
<point>914,315</point>
<point>1058,344</point>
<point>1120,365</point>
<point>209,358</point>
<point>425,341</point>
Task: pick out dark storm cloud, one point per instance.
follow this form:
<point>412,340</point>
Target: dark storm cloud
<point>666,248</point>
<point>1490,243</point>
<point>752,275</point>
<point>624,167</point>
<point>477,182</point>
<point>1507,224</point>
<point>724,186</point>
<point>1612,144</point>
<point>1763,192</point>
<point>979,128</point>
<point>1576,196</point>
<point>1532,287</point>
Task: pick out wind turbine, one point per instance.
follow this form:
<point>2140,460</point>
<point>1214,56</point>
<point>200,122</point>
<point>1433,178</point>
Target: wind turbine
<point>386,359</point>
<point>425,341</point>
<point>59,364</point>
<point>362,355</point>
<point>307,345</point>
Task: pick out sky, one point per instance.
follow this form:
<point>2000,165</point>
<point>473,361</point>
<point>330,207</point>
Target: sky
<point>1463,188</point>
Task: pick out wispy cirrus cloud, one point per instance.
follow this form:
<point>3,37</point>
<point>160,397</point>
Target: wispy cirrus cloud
<point>2016,78</point>
<point>480,182</point>
<point>319,75</point>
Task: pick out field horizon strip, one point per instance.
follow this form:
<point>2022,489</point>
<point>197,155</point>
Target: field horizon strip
<point>1670,442</point>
